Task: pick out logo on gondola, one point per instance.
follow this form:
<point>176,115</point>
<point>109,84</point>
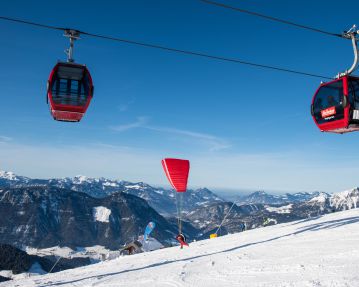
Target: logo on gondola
<point>328,112</point>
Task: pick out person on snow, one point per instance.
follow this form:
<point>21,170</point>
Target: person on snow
<point>132,248</point>
<point>182,240</point>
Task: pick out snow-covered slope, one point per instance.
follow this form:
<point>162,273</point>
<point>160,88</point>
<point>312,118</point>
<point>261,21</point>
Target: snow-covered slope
<point>320,251</point>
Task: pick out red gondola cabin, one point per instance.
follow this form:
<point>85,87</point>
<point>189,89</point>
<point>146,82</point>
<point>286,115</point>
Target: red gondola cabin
<point>69,91</point>
<point>335,105</point>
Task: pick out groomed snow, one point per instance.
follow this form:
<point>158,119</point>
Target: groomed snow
<point>313,252</point>
<point>101,213</point>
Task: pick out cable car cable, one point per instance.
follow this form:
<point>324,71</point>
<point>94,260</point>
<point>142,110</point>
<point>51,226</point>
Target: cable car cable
<point>200,54</point>
<point>225,217</point>
<point>170,49</point>
<point>32,23</point>
<point>270,18</point>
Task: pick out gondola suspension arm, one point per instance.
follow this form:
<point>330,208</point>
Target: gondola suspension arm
<point>353,35</point>
<point>73,35</point>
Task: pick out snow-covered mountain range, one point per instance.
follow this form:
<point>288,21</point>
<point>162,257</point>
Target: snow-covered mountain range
<point>261,210</point>
<point>44,212</point>
<point>162,200</point>
<point>265,198</point>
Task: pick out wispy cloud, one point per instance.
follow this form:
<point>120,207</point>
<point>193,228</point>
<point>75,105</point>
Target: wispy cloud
<point>215,143</point>
<point>125,106</point>
<point>140,122</point>
<point>5,139</point>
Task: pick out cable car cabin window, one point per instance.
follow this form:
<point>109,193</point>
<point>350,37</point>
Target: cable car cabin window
<point>69,92</point>
<point>353,86</point>
<point>328,103</point>
<point>70,72</point>
<point>70,87</point>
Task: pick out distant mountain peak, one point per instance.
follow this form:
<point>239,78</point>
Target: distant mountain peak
<point>11,176</point>
<point>347,192</point>
<point>322,197</point>
<point>82,178</point>
<point>204,189</point>
<point>8,175</point>
<point>346,199</point>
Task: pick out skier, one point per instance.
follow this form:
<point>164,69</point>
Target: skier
<point>131,248</point>
<point>182,240</point>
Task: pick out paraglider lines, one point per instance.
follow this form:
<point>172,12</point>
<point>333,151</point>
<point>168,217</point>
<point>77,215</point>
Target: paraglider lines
<point>179,205</point>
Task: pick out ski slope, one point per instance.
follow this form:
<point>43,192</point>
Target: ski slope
<point>320,251</point>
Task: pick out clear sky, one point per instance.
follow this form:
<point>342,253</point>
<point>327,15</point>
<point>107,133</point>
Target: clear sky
<point>241,127</point>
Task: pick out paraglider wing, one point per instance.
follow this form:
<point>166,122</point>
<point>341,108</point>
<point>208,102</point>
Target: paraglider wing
<point>177,172</point>
<point>150,226</point>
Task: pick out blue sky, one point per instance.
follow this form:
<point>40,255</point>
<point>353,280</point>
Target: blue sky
<point>241,127</point>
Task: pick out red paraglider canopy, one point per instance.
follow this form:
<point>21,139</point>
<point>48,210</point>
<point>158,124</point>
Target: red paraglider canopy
<point>177,171</point>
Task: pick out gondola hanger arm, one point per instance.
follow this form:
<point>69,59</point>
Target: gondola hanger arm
<point>353,35</point>
<point>73,35</point>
